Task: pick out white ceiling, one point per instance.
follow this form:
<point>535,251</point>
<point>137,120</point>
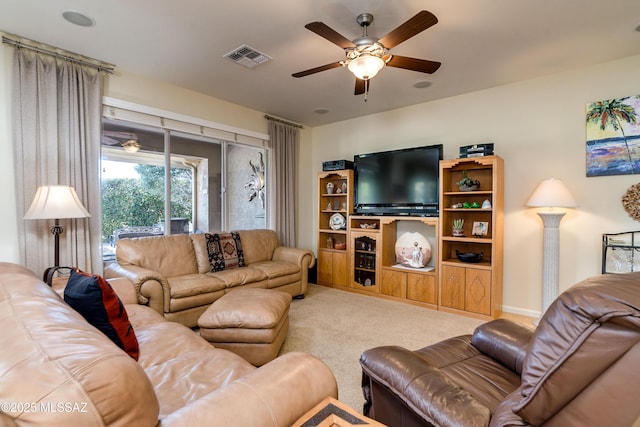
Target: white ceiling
<point>481,44</point>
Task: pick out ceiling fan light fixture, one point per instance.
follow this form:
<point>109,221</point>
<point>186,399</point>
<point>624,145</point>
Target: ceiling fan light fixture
<point>131,146</point>
<point>366,66</point>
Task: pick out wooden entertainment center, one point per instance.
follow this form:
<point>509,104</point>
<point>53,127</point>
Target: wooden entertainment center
<point>358,253</point>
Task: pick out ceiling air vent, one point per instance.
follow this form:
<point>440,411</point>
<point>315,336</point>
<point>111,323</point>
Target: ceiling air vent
<point>247,56</point>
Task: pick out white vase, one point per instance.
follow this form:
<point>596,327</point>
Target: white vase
<point>329,187</point>
<point>413,250</point>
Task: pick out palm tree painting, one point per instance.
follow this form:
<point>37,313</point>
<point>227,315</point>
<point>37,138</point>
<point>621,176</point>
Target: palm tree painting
<point>613,137</point>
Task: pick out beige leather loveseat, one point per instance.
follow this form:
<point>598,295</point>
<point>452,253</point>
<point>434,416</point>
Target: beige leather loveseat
<point>172,274</point>
<point>58,370</point>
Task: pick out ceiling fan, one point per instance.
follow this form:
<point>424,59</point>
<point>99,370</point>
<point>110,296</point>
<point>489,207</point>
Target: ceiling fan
<point>127,140</point>
<point>367,55</point>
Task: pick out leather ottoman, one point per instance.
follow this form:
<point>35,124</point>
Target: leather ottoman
<point>252,323</point>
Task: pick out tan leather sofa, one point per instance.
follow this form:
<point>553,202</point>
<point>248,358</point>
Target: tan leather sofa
<point>578,368</point>
<point>58,370</point>
<point>172,273</point>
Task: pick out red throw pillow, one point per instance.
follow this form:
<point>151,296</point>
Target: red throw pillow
<point>93,297</point>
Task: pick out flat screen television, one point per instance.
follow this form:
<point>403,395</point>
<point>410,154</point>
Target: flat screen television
<point>398,182</point>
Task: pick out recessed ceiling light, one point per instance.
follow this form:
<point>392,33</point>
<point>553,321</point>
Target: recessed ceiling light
<point>421,84</point>
<point>321,110</point>
<point>78,18</point>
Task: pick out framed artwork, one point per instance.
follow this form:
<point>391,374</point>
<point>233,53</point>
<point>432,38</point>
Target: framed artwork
<point>480,228</point>
<point>613,136</point>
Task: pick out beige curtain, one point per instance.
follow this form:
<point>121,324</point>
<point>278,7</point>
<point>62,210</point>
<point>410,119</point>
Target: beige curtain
<point>284,140</point>
<point>56,128</point>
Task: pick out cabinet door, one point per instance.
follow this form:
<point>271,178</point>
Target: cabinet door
<point>332,268</point>
<point>394,283</point>
<point>339,271</point>
<point>421,287</point>
<point>453,287</point>
<point>325,267</point>
<point>478,291</point>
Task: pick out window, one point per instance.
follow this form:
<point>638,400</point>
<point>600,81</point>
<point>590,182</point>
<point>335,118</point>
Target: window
<point>213,184</point>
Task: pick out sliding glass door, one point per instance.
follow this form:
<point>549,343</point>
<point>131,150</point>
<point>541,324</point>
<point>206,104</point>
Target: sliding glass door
<point>212,184</point>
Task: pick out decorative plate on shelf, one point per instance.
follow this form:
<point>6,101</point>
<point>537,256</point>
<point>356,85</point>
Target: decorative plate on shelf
<point>337,222</point>
<point>413,250</point>
<point>367,282</point>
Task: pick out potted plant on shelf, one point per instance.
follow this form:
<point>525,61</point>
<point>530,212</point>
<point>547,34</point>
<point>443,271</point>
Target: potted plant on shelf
<point>457,227</point>
<point>467,183</point>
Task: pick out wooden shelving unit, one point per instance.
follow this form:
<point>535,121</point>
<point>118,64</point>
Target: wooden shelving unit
<point>412,284</point>
<point>374,269</point>
<point>366,262</point>
<point>365,253</point>
<point>472,288</point>
<point>332,258</point>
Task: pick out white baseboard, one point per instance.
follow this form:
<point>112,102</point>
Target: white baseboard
<point>521,311</point>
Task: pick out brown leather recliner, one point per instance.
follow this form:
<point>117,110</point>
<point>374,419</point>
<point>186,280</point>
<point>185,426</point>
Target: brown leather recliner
<point>580,367</point>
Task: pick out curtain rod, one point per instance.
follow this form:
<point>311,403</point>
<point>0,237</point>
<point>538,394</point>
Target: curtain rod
<point>65,55</point>
<point>279,120</point>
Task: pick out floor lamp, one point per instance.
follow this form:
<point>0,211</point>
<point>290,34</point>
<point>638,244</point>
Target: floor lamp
<point>55,202</point>
<point>550,195</point>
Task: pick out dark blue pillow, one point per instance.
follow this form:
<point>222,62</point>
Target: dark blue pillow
<point>93,297</point>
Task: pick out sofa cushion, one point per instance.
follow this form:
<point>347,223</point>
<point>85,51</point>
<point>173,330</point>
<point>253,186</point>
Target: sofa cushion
<point>168,255</point>
<point>276,268</point>
<point>447,384</point>
<point>181,366</point>
<point>225,251</point>
<point>91,296</point>
<point>194,284</point>
<point>258,245</point>
<point>241,276</point>
<point>200,249</point>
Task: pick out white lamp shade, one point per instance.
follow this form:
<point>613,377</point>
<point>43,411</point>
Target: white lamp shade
<point>551,193</point>
<point>56,202</point>
<point>365,67</point>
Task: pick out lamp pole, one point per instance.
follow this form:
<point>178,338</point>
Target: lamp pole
<point>56,230</point>
<point>550,194</point>
<point>550,255</point>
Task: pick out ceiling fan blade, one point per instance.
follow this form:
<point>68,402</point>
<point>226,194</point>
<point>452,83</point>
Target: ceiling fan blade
<point>420,22</point>
<point>361,85</point>
<point>414,64</point>
<point>317,69</point>
<point>330,34</point>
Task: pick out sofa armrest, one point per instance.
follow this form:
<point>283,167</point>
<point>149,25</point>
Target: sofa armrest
<point>302,257</point>
<point>151,287</point>
<point>423,388</point>
<point>276,394</point>
<point>125,289</point>
<point>503,340</point>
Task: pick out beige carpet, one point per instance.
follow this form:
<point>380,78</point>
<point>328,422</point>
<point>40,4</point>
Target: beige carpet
<point>337,326</point>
